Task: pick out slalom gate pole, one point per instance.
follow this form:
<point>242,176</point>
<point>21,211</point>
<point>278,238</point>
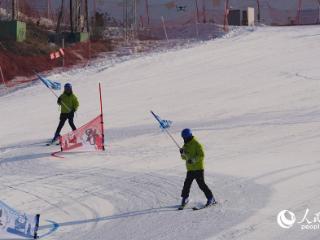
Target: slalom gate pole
<point>197,10</point>
<point>166,130</point>
<point>196,25</point>
<point>35,236</point>
<point>226,13</point>
<point>4,83</point>
<point>164,28</point>
<point>61,101</point>
<point>2,77</point>
<point>101,110</point>
<point>147,10</point>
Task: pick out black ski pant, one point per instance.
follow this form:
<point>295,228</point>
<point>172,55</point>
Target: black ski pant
<point>199,177</point>
<point>63,118</point>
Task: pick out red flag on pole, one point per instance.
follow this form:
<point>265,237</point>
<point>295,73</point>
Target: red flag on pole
<point>52,56</point>
<point>57,54</point>
<point>86,138</point>
<point>61,52</point>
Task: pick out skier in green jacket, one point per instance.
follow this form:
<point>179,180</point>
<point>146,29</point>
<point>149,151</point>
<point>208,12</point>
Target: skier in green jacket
<point>192,152</point>
<point>69,105</point>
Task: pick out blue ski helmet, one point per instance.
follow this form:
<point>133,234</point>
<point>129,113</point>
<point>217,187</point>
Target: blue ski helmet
<point>68,86</point>
<point>186,133</point>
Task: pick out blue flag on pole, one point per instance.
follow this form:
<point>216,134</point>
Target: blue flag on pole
<point>164,124</point>
<point>18,223</point>
<point>50,84</point>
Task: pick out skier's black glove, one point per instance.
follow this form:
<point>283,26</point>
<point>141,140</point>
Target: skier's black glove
<point>71,113</point>
<point>191,161</point>
<point>59,100</point>
<point>181,150</point>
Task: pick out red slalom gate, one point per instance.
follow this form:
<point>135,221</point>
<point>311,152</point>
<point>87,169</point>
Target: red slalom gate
<point>88,138</point>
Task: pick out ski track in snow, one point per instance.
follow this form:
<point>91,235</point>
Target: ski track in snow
<point>251,97</point>
<point>142,201</point>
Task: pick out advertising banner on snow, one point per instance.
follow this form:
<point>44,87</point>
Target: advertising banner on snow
<point>18,223</point>
<point>86,138</point>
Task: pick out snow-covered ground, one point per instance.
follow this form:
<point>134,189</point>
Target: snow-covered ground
<point>251,97</point>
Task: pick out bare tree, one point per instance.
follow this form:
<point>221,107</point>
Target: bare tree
<point>259,13</point>
<point>87,15</point>
<point>75,15</point>
<point>71,16</point>
<point>60,17</point>
<point>14,5</point>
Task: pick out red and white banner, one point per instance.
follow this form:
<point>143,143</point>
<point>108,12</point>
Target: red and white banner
<point>57,54</point>
<point>89,137</point>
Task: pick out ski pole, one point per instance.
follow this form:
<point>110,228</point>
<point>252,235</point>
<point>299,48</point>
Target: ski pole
<point>55,95</point>
<point>164,128</point>
<point>61,100</point>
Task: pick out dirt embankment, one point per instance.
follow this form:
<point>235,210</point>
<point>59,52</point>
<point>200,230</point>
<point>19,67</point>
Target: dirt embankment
<point>22,59</point>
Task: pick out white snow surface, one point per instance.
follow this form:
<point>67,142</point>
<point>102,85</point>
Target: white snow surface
<point>251,97</point>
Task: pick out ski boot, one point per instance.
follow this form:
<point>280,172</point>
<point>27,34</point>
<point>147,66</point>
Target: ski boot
<point>210,201</point>
<point>184,203</point>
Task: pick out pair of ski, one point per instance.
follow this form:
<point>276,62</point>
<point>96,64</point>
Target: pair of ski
<point>197,208</point>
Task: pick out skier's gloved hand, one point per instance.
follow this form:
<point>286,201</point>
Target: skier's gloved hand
<point>71,113</point>
<point>59,100</point>
<point>191,161</point>
<point>181,150</point>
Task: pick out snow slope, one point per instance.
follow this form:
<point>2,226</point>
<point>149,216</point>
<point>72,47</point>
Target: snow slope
<point>250,97</point>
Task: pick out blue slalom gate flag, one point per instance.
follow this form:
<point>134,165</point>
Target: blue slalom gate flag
<point>50,84</point>
<point>18,223</point>
<point>164,124</point>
